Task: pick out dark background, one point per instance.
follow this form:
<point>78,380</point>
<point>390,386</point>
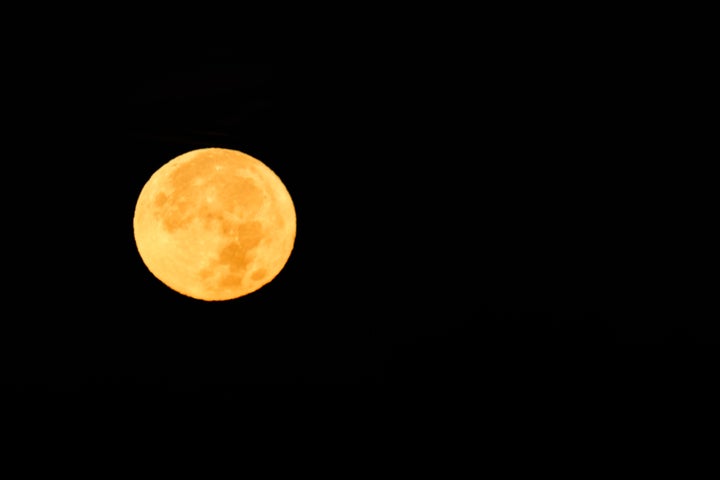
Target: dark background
<point>475,221</point>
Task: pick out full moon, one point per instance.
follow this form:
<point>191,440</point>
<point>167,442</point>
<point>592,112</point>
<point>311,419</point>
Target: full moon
<point>214,224</point>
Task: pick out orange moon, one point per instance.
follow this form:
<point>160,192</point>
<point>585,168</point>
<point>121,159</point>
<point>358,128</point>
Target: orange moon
<point>214,224</point>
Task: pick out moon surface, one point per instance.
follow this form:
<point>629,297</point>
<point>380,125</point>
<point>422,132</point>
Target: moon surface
<point>214,224</point>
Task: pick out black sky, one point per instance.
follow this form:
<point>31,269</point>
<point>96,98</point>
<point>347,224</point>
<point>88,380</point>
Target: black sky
<point>456,222</point>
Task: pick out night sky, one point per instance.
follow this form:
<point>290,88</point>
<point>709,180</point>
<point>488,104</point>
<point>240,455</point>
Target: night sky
<point>457,223</point>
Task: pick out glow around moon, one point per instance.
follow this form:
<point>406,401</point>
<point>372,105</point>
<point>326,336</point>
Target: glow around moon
<point>214,224</point>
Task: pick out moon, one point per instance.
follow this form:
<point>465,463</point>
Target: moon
<point>214,224</point>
